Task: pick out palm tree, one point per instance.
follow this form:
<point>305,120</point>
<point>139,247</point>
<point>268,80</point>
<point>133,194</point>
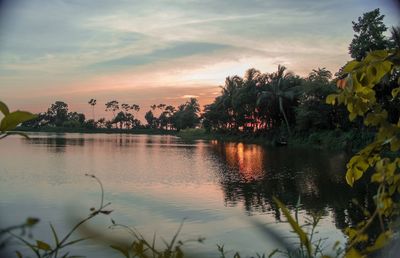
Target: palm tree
<point>320,74</point>
<point>193,104</point>
<point>112,106</point>
<point>232,85</point>
<point>92,102</point>
<point>280,89</point>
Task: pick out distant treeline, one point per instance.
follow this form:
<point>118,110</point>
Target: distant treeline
<point>123,117</point>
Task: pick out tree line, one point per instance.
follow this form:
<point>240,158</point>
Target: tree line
<point>123,116</point>
<point>281,102</point>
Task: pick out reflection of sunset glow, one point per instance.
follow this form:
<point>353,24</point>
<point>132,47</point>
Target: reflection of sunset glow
<point>247,158</point>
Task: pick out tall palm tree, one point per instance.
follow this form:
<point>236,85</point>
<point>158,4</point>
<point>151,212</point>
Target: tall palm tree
<point>320,74</point>
<point>93,103</point>
<point>280,89</point>
<point>193,104</point>
<point>232,85</point>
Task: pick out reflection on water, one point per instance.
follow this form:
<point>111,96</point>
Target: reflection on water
<point>248,159</point>
<point>255,174</point>
<point>162,179</point>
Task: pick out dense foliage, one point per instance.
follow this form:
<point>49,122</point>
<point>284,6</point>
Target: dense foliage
<point>263,103</point>
<point>280,104</point>
<point>362,84</point>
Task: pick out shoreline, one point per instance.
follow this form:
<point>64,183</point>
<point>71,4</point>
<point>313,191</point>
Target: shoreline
<point>97,130</point>
<point>349,141</point>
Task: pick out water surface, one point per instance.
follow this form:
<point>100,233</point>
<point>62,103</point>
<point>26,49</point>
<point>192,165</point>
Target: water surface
<point>154,182</point>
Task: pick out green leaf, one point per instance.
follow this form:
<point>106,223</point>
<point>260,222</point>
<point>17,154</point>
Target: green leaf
<point>13,119</point>
<point>3,108</point>
<point>43,245</point>
<point>295,226</point>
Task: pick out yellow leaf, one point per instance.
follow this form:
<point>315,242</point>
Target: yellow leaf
<point>353,253</point>
<point>13,119</point>
<point>350,66</point>
<point>382,69</point>
<point>395,144</point>
<point>395,92</point>
<point>295,226</point>
<point>42,245</point>
<point>362,165</point>
<point>349,178</point>
<point>379,54</point>
<point>330,99</point>
<point>390,169</point>
<point>352,116</point>
<point>350,107</point>
<point>4,108</point>
<point>377,177</point>
<point>380,242</point>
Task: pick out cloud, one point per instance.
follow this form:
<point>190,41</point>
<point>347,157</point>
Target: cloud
<point>176,50</point>
<point>189,96</point>
<point>92,48</point>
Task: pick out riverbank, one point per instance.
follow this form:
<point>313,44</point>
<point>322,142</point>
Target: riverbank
<point>333,140</point>
<point>49,129</point>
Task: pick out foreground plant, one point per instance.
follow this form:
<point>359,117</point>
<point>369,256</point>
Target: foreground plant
<point>140,247</point>
<point>46,250</point>
<point>12,119</point>
<point>360,84</point>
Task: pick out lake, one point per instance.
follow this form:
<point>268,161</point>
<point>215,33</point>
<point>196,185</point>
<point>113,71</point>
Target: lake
<point>156,182</point>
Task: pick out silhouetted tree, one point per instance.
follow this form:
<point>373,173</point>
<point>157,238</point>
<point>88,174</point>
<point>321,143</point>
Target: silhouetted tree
<point>369,36</point>
<point>92,102</point>
<point>149,116</point>
<point>57,113</point>
<point>281,90</point>
<point>112,106</point>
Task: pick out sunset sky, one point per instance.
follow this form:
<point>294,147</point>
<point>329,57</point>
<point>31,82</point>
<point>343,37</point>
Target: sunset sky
<point>148,52</point>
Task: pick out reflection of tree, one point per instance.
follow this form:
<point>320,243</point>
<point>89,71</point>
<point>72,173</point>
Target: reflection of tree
<point>253,174</point>
<point>58,144</point>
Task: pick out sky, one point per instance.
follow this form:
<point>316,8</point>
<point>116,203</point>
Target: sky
<point>149,52</point>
